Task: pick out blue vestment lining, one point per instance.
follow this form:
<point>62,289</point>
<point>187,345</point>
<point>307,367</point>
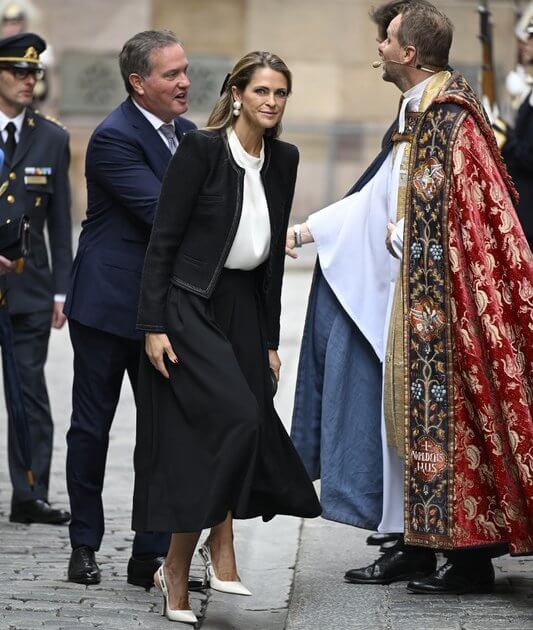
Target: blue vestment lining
<point>336,425</point>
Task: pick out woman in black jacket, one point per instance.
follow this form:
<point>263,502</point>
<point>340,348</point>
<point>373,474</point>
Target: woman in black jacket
<point>210,446</point>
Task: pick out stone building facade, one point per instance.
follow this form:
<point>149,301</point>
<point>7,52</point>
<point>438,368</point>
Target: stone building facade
<point>338,110</point>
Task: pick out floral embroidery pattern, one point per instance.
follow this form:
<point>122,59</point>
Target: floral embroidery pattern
<point>493,393</point>
<point>468,287</point>
<point>429,455</point>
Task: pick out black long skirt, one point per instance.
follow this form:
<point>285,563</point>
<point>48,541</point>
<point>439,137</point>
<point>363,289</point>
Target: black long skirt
<point>209,440</point>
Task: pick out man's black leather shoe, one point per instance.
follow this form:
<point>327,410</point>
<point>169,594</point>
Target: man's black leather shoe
<point>378,539</point>
<point>38,511</point>
<point>141,573</point>
<point>394,566</point>
<point>82,567</point>
<point>456,579</point>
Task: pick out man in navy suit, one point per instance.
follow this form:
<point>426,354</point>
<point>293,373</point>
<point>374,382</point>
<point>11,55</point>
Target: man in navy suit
<point>126,159</point>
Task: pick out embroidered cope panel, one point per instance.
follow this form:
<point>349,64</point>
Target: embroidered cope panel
<point>468,337</point>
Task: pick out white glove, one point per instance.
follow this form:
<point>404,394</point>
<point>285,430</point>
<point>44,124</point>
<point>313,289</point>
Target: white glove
<point>516,82</point>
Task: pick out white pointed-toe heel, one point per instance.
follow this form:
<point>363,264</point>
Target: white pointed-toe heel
<point>185,616</point>
<point>234,588</point>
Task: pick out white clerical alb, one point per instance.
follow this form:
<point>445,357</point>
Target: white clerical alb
<point>252,241</point>
<point>350,240</point>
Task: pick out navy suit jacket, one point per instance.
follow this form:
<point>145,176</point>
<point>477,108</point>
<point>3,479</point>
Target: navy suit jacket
<point>125,164</point>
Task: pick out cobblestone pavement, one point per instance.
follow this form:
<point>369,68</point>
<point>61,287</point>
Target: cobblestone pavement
<point>34,591</point>
<point>279,560</point>
<point>321,600</point>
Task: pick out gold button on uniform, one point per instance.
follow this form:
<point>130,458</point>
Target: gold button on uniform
<point>10,199</point>
<point>12,176</point>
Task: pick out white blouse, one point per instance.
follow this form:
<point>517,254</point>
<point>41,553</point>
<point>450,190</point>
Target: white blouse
<point>252,240</point>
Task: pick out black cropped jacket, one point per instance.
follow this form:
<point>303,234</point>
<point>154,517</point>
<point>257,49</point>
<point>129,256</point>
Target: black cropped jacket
<point>197,219</point>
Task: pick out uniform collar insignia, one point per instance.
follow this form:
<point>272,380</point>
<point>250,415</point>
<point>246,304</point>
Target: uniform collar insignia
<point>31,122</point>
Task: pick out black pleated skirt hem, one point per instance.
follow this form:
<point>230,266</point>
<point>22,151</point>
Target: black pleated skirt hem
<point>209,440</point>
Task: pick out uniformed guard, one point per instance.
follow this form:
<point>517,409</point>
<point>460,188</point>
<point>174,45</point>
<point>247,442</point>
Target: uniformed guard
<point>34,181</point>
<point>14,19</point>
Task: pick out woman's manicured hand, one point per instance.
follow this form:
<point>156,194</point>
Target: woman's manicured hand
<point>156,346</point>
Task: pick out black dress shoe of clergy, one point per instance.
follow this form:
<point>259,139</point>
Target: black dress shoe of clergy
<point>141,571</point>
<point>456,579</point>
<point>38,511</point>
<point>396,565</point>
<point>82,567</point>
<point>378,539</point>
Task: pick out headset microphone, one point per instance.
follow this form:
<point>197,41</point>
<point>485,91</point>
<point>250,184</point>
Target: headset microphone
<point>378,64</point>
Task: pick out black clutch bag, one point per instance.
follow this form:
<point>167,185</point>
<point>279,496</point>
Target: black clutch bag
<point>15,238</point>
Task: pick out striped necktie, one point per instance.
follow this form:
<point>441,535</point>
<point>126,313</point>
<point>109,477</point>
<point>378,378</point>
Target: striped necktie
<point>169,131</point>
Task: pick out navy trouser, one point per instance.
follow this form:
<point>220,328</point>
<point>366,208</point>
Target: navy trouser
<point>31,332</point>
<point>100,362</point>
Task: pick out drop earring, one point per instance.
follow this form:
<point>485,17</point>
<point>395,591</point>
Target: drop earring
<point>237,108</point>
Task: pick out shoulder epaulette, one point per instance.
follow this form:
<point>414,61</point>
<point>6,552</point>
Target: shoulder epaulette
<point>50,119</point>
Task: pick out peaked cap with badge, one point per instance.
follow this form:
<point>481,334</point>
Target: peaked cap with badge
<point>22,51</point>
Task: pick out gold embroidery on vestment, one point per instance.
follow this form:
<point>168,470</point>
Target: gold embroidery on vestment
<point>394,390</point>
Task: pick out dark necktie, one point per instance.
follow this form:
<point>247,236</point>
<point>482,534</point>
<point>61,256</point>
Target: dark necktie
<point>11,143</point>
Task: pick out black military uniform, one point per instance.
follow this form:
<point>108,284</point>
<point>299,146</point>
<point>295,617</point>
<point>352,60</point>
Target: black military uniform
<point>34,181</point>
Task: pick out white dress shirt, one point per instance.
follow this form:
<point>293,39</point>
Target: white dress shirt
<point>252,240</point>
<point>154,121</point>
<point>17,121</point>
